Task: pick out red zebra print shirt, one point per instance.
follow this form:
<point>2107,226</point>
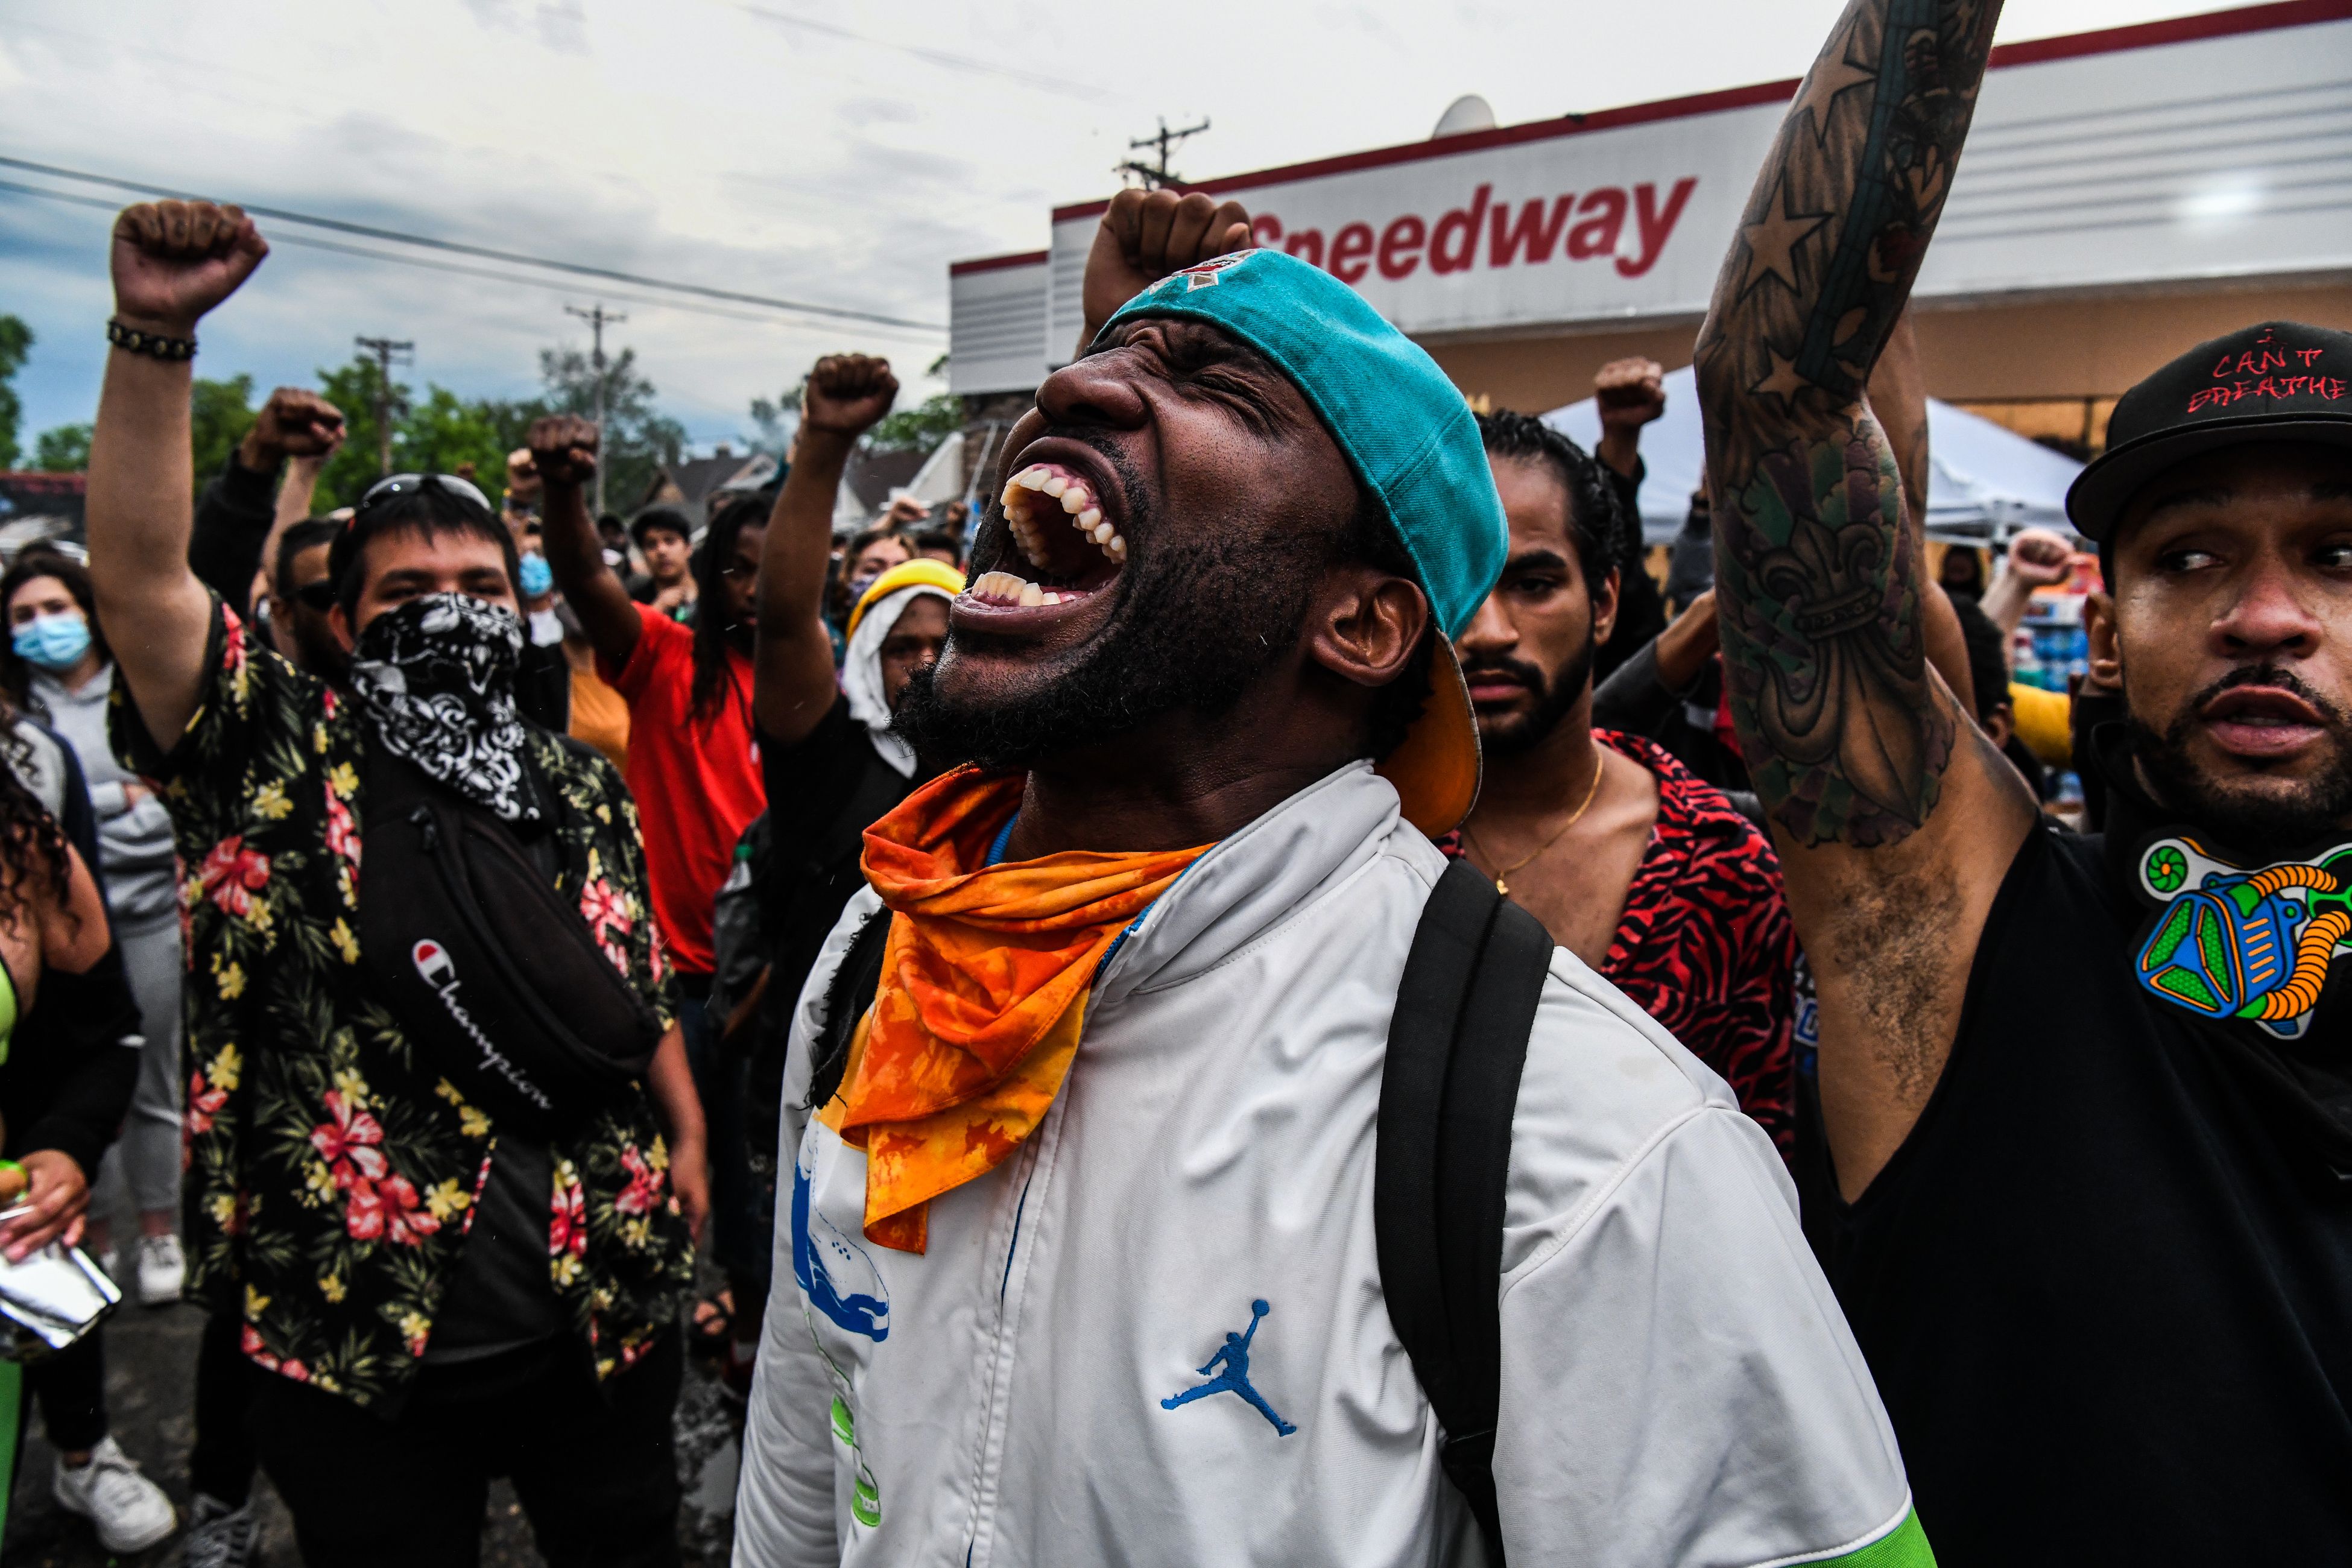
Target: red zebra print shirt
<point>1705,944</point>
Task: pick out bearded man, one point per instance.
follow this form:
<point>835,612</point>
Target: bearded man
<point>1633,863</point>
<point>1082,1221</point>
<point>2087,1097</point>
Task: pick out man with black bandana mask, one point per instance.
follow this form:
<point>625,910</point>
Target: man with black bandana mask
<point>438,1291</point>
<point>2087,1100</point>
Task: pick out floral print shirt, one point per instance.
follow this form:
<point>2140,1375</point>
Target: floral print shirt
<point>332,1170</point>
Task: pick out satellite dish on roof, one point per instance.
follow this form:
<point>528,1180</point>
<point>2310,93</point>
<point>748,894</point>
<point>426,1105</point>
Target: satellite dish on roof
<point>1468,112</point>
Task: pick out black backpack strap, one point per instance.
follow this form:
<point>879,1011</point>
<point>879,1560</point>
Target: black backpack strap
<point>856,980</point>
<point>1457,1044</point>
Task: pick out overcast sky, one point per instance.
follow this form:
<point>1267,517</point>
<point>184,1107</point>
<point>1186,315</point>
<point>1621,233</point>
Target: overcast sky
<point>833,154</point>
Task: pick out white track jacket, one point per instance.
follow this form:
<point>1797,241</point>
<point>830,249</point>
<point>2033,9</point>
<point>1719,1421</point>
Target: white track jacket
<point>1156,1335</point>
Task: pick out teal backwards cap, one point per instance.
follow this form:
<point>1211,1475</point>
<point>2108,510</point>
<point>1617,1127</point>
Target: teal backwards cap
<point>1410,439</point>
<point>1405,428</point>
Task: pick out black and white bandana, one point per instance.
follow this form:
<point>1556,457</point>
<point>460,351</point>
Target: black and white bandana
<point>438,677</point>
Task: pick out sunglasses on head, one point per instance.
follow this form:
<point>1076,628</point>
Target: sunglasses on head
<point>410,484</point>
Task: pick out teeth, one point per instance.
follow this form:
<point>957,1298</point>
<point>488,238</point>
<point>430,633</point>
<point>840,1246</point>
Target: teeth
<point>1089,518</point>
<point>1031,477</point>
<point>1074,499</point>
<point>1032,596</point>
<point>1055,485</point>
<point>1116,547</point>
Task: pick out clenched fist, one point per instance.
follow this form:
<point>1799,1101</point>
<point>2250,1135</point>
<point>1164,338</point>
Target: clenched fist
<point>1146,234</point>
<point>563,450</point>
<point>2041,557</point>
<point>847,395</point>
<point>1632,392</point>
<point>175,260</point>
<point>295,423</point>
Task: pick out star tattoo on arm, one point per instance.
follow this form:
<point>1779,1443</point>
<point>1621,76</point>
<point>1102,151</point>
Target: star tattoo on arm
<point>1846,732</point>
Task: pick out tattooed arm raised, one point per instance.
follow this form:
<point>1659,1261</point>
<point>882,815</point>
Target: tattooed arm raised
<point>1894,818</point>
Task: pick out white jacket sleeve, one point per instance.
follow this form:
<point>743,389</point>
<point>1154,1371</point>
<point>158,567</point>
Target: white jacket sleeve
<point>784,1500</point>
<point>1678,1384</point>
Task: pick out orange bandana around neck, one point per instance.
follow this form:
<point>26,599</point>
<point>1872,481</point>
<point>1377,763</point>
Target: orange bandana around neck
<point>984,980</point>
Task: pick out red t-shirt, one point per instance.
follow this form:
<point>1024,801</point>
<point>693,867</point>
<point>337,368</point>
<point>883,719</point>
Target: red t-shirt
<point>696,781</point>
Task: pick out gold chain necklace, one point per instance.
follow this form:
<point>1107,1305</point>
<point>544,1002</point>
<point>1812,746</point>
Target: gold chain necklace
<point>1591,791</point>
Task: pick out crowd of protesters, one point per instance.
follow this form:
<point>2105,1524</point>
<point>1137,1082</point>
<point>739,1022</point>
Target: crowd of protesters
<point>1605,1065</point>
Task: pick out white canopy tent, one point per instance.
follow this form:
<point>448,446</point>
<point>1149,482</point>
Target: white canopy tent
<point>1986,482</point>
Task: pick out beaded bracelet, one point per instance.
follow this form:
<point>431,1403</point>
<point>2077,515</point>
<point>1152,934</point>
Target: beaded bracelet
<point>155,345</point>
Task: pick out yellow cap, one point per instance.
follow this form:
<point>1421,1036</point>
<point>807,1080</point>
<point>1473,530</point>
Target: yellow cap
<point>922,572</point>
<point>1436,771</point>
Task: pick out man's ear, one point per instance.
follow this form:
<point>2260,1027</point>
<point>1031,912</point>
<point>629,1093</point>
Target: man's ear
<point>2107,671</point>
<point>1604,598</point>
<point>340,623</point>
<point>2000,723</point>
<point>1366,625</point>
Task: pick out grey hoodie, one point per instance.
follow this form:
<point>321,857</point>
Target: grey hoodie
<point>134,841</point>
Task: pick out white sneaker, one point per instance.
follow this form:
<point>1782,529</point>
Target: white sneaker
<point>219,1536</point>
<point>132,1513</point>
<point>163,1269</point>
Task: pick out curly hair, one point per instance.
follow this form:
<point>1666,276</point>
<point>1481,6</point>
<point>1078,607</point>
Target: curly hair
<point>1594,519</point>
<point>33,849</point>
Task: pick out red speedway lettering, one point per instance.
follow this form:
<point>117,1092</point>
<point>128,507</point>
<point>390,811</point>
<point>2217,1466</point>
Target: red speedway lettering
<point>1490,233</point>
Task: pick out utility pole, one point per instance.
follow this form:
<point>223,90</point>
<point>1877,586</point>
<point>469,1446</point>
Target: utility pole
<point>596,317</point>
<point>385,351</point>
<point>1157,174</point>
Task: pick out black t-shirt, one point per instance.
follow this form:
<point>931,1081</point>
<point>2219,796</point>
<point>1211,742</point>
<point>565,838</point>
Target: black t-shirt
<point>2107,1299</point>
<point>822,795</point>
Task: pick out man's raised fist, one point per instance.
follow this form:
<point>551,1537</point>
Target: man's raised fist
<point>847,395</point>
<point>175,260</point>
<point>1146,234</point>
<point>1632,392</point>
<point>295,423</point>
<point>2041,557</point>
<point>563,450</point>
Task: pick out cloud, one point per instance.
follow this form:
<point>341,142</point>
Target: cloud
<point>745,145</point>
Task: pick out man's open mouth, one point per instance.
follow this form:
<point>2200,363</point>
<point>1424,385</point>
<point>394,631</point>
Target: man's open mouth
<point>2261,721</point>
<point>1069,549</point>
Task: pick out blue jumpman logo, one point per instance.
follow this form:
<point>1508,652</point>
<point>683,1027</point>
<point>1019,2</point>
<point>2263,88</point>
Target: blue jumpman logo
<point>1234,1356</point>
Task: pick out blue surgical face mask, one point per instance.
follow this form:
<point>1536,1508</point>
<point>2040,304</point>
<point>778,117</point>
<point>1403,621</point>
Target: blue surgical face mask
<point>54,643</point>
<point>538,577</point>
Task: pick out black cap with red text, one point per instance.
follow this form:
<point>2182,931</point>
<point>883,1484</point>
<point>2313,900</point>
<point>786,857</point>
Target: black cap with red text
<point>2278,381</point>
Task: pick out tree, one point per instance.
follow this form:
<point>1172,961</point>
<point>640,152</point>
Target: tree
<point>352,387</point>
<point>918,428</point>
<point>219,413</point>
<point>775,420</point>
<point>63,450</point>
<point>637,439</point>
<point>15,344</point>
<point>444,431</point>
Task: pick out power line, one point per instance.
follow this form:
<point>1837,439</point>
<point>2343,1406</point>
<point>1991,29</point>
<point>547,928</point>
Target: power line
<point>370,231</point>
<point>458,269</point>
<point>597,320</point>
<point>386,350</point>
<point>1060,86</point>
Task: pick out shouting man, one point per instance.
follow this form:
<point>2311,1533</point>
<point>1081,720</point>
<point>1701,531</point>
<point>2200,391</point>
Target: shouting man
<point>1082,1219</point>
<point>440,1292</point>
<point>2086,1098</point>
<point>1633,865</point>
